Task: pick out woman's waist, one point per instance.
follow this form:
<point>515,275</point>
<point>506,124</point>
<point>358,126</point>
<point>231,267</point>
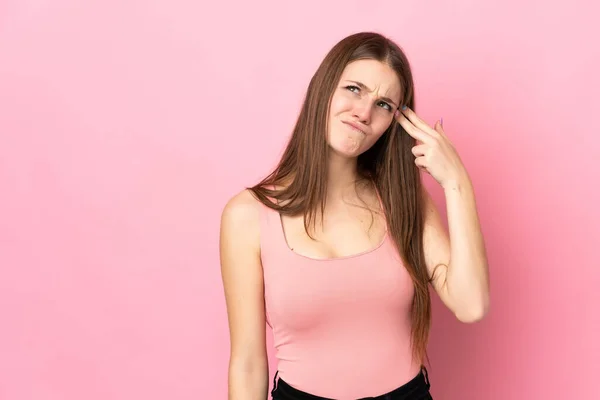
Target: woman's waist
<point>349,373</point>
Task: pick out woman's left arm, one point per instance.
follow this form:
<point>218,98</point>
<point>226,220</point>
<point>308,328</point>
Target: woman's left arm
<point>456,262</point>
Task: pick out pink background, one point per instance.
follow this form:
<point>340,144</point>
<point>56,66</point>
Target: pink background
<point>125,126</point>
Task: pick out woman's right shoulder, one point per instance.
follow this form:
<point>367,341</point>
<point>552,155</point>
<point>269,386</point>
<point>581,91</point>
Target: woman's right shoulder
<point>242,211</point>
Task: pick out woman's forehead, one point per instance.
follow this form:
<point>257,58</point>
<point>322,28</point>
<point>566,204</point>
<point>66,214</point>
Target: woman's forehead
<point>376,76</point>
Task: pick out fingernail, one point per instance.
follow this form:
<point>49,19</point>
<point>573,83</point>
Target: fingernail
<point>403,108</point>
<point>442,121</point>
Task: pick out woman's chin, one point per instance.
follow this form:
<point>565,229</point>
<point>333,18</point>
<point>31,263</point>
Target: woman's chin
<point>345,152</point>
<point>347,147</point>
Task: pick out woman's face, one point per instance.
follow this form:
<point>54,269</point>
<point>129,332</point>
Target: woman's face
<point>362,106</point>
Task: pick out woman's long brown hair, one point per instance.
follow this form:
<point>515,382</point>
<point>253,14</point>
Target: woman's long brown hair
<point>301,174</point>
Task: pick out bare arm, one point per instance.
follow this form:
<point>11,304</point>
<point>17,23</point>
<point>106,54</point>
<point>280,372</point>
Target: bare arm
<point>457,261</point>
<point>241,272</point>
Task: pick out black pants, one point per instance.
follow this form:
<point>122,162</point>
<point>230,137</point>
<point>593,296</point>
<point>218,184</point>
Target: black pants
<point>416,389</point>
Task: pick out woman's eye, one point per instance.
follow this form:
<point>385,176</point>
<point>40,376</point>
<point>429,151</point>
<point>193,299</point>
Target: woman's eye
<point>385,105</point>
<point>356,89</point>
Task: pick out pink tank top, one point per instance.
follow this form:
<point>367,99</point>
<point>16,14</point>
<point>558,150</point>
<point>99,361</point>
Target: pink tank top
<point>341,326</point>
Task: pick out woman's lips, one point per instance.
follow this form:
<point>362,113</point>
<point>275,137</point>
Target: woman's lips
<point>354,127</point>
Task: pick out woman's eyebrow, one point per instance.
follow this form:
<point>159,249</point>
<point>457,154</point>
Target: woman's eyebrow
<point>363,86</point>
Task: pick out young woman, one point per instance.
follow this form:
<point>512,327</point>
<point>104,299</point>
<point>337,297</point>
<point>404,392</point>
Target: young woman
<point>336,248</point>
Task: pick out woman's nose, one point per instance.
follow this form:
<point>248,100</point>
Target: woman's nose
<point>362,111</point>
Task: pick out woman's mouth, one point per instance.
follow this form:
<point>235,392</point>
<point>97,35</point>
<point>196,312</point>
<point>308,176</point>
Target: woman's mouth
<point>354,127</point>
